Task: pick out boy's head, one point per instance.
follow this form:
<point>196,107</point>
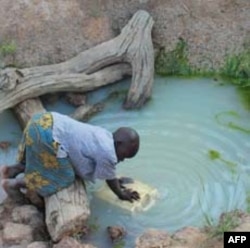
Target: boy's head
<point>126,142</point>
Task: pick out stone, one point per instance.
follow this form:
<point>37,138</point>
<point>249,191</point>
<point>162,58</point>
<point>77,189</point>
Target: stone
<point>244,227</point>
<point>17,233</point>
<point>210,28</point>
<point>76,99</point>
<point>38,244</point>
<point>190,236</point>
<point>116,233</point>
<point>25,214</point>
<point>29,214</point>
<point>72,243</point>
<point>153,238</point>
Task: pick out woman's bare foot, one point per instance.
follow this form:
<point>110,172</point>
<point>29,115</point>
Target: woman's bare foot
<point>11,171</point>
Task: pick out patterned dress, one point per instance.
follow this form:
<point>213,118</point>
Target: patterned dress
<point>45,173</point>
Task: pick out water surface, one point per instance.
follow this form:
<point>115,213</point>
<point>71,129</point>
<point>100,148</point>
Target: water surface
<point>190,152</point>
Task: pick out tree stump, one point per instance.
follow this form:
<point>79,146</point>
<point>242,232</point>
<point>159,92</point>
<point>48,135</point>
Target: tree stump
<point>67,211</point>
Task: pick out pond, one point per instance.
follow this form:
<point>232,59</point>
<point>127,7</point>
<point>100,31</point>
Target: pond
<point>194,151</point>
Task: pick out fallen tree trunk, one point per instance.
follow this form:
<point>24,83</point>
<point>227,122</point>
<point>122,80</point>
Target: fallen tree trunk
<point>133,46</point>
<point>80,82</point>
<point>26,109</point>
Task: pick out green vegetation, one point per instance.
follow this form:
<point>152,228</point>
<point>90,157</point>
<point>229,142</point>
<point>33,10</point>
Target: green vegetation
<point>244,94</point>
<point>7,48</point>
<point>237,68</point>
<point>228,221</point>
<point>213,155</point>
<point>231,124</point>
<point>173,62</point>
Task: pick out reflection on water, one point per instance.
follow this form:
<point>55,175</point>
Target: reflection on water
<point>185,153</point>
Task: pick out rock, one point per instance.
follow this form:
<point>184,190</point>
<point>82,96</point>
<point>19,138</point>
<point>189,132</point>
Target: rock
<point>116,233</point>
<point>209,28</point>
<point>190,236</point>
<point>38,36</point>
<point>244,227</point>
<point>153,238</point>
<point>76,99</point>
<point>71,243</point>
<point>25,214</point>
<point>38,244</point>
<point>17,233</point>
<point>29,214</point>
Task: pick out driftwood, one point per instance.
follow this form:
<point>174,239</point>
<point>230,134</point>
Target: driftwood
<point>67,211</point>
<point>85,112</point>
<point>91,68</point>
<point>26,109</point>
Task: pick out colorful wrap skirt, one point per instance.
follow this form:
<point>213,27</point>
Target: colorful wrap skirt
<point>44,172</point>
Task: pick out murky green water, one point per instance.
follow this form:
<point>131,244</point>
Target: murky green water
<point>190,151</point>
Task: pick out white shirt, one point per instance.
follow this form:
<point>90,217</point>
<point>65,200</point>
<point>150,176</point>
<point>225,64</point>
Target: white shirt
<point>90,148</point>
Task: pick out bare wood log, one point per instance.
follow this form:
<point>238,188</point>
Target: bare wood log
<point>133,45</point>
<point>24,110</point>
<point>84,112</point>
<point>68,82</point>
<point>67,211</point>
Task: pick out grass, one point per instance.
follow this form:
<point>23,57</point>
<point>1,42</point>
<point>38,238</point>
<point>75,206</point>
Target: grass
<point>173,62</point>
<point>244,94</point>
<point>237,68</point>
<point>228,221</point>
<point>7,49</point>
